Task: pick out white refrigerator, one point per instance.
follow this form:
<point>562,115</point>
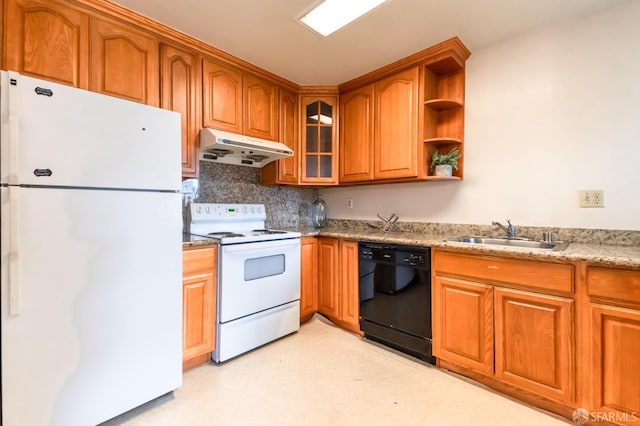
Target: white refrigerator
<point>91,231</point>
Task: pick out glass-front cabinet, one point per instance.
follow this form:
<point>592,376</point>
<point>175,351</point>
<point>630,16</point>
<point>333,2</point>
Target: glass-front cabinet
<point>319,143</point>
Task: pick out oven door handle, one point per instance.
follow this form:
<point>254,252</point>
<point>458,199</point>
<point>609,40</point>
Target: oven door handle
<point>235,248</point>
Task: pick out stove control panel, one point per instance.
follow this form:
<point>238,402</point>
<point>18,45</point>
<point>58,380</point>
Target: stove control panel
<point>227,212</point>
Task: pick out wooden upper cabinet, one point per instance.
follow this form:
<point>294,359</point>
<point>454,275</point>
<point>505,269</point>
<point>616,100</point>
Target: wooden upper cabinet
<point>289,117</point>
<point>48,40</point>
<point>396,126</point>
<point>534,338</point>
<point>238,102</point>
<point>319,145</point>
<point>379,130</point>
<point>124,62</point>
<point>221,96</point>
<point>260,108</point>
<point>356,135</point>
<point>180,88</point>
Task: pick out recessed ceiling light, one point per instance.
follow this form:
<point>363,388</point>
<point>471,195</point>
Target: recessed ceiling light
<point>331,15</point>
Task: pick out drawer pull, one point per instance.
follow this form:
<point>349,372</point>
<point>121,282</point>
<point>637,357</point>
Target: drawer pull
<point>493,267</point>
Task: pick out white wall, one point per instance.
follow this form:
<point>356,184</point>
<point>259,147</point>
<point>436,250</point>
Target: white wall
<point>547,113</point>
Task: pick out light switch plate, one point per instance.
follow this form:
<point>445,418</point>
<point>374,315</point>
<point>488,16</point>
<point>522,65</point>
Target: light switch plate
<point>592,198</point>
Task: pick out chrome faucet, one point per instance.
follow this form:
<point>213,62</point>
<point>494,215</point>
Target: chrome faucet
<point>388,221</point>
<point>510,230</point>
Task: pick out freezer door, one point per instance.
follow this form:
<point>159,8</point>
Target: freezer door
<point>70,137</point>
<point>98,329</point>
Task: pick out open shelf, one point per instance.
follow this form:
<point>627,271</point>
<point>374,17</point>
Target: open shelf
<point>444,124</point>
<point>442,104</point>
<point>442,145</point>
<point>443,112</point>
<point>443,178</point>
<point>442,141</point>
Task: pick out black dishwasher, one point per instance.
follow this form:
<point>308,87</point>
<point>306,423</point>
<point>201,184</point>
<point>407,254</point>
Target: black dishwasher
<point>395,297</point>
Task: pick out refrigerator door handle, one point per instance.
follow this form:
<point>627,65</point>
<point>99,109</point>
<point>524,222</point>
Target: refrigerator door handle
<point>14,78</point>
<point>14,258</point>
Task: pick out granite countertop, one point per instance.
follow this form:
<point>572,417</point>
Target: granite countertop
<point>612,255</point>
<point>189,240</point>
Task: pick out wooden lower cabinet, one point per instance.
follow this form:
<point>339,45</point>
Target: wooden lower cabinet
<point>198,304</point>
<point>615,362</point>
<point>463,323</point>
<point>328,277</point>
<point>613,329</point>
<point>338,282</point>
<point>349,286</point>
<point>308,278</point>
<point>494,321</point>
<point>534,342</point>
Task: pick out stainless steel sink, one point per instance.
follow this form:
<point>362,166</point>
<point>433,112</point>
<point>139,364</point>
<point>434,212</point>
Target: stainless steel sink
<point>514,242</point>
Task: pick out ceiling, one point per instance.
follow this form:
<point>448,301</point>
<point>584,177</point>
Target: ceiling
<point>266,33</point>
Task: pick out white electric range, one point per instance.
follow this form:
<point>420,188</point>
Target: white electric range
<point>258,276</point>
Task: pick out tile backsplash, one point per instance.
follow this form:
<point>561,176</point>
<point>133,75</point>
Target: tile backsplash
<point>225,183</point>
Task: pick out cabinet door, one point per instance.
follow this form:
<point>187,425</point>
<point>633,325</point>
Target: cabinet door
<point>463,323</point>
<point>221,97</point>
<point>308,278</point>
<point>198,325</point>
<point>124,62</point>
<point>356,135</point>
<point>288,167</point>
<point>198,302</point>
<point>48,40</point>
<point>180,92</point>
<point>319,144</point>
<point>349,286</point>
<point>615,363</point>
<point>396,126</point>
<point>260,108</point>
<point>328,277</point>
<point>533,347</point>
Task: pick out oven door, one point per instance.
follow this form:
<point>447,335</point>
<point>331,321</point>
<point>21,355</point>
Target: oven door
<point>257,276</point>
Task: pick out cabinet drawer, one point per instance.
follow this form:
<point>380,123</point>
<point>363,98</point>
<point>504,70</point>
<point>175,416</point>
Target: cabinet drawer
<point>614,284</point>
<point>541,275</point>
<point>196,260</point>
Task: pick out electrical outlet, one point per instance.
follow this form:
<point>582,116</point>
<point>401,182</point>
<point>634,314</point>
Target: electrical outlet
<point>350,203</point>
<point>592,198</point>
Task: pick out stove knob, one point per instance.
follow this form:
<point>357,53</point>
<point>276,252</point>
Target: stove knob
<point>199,210</point>
<point>259,209</point>
<point>253,210</point>
<point>244,210</point>
<point>207,210</point>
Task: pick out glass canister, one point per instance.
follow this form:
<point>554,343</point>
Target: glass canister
<point>319,212</point>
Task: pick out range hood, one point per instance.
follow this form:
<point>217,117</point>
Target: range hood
<point>231,148</point>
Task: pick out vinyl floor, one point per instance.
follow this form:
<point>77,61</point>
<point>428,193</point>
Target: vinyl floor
<point>323,375</point>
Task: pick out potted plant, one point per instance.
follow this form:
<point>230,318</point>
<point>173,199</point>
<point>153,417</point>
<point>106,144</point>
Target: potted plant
<point>445,163</point>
